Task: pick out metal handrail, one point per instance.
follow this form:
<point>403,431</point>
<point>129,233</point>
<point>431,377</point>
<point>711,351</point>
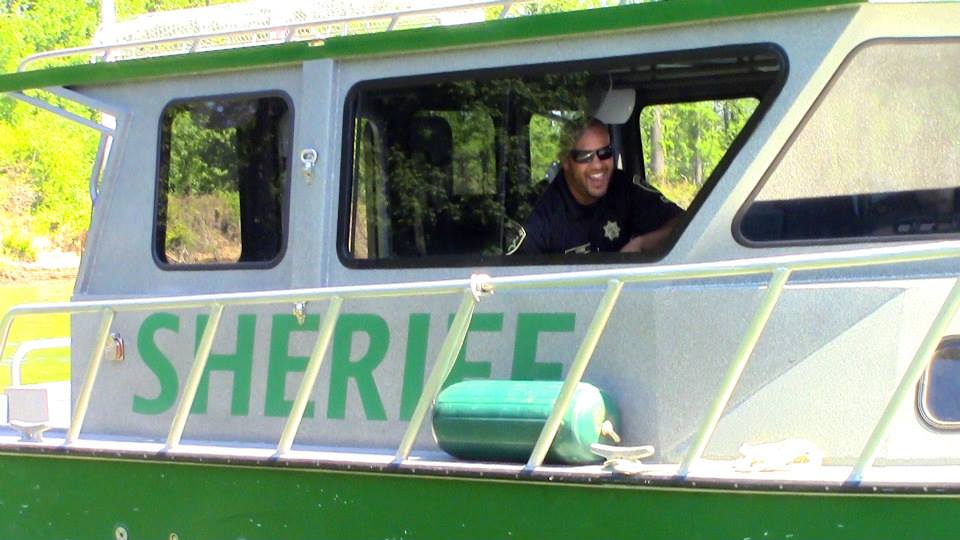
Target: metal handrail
<point>289,31</point>
<point>908,381</point>
<point>27,347</point>
<point>735,370</point>
<point>107,134</point>
<point>473,290</point>
<point>575,373</point>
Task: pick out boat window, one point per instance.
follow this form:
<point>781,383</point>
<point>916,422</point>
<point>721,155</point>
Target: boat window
<point>877,158</point>
<point>684,142</point>
<point>446,170</point>
<point>222,181</point>
<point>939,390</point>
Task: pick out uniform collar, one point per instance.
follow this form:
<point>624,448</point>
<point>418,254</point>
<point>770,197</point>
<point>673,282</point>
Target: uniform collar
<point>574,208</point>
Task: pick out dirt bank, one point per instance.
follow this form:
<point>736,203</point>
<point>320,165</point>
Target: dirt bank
<point>48,266</point>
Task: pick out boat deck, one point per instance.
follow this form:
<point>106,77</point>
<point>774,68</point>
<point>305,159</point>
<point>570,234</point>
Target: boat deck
<point>708,474</point>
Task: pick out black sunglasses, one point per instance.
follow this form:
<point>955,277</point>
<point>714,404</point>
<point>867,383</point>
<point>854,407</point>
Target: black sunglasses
<point>586,156</point>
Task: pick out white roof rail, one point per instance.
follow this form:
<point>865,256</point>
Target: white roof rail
<point>262,22</point>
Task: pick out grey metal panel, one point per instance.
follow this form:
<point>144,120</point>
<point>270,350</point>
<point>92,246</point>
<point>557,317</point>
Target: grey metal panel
<point>120,261</point>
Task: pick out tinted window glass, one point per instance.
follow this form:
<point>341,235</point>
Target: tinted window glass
<point>940,396</point>
<point>447,170</point>
<point>878,157</point>
<point>223,170</point>
<point>546,131</point>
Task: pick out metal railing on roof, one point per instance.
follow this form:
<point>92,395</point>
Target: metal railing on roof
<point>478,286</point>
<point>312,30</point>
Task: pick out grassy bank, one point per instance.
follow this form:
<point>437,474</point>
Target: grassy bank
<point>46,365</point>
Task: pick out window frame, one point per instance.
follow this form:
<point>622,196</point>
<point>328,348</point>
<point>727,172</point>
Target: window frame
<point>736,225</point>
<point>158,231</point>
<point>350,116</point>
<point>923,387</point>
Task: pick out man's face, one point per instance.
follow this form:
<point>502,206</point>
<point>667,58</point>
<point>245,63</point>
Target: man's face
<point>589,181</point>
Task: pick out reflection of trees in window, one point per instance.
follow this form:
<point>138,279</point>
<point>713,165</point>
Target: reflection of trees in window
<point>457,162</point>
<point>546,143</point>
<point>683,142</point>
<point>221,171</point>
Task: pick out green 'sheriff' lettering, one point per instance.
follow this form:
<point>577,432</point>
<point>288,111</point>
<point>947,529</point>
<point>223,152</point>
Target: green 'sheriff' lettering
<point>529,328</point>
<point>281,363</point>
<point>158,363</point>
<point>418,335</point>
<point>464,369</point>
<point>361,370</point>
<point>343,367</point>
<point>240,363</point>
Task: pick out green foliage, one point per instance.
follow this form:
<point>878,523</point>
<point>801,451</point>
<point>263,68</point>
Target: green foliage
<point>52,157</point>
<point>201,160</point>
<point>203,228</point>
<point>546,143</point>
<point>44,155</point>
<point>17,244</point>
<point>29,26</point>
<point>683,142</point>
<point>127,9</point>
<point>546,6</point>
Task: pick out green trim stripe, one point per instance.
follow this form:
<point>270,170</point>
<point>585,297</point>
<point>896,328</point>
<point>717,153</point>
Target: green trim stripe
<point>613,19</point>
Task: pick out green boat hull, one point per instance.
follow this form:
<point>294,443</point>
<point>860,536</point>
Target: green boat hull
<point>67,497</point>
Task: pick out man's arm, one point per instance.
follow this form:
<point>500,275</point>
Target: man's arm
<point>653,240</point>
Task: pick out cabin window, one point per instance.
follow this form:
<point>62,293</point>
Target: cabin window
<point>939,389</point>
<point>877,158</point>
<point>684,142</point>
<point>445,171</point>
<point>222,181</point>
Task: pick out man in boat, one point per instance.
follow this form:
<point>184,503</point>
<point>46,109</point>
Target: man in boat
<point>592,206</point>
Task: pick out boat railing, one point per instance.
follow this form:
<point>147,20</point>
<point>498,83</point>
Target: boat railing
<point>28,347</point>
<point>311,30</point>
<point>472,291</point>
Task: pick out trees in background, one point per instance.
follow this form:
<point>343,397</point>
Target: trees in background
<point>42,155</point>
<point>45,160</point>
<point>684,142</point>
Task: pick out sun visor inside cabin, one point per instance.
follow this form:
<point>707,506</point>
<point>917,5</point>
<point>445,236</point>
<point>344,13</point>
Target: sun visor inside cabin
<point>614,106</point>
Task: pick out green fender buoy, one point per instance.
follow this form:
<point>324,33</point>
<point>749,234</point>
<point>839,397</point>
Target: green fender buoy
<point>501,421</point>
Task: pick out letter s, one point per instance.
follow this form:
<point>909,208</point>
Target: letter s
<point>158,363</point>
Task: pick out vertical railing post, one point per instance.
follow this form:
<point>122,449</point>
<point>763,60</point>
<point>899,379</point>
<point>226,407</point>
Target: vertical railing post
<point>577,368</point>
<point>309,376</point>
<point>5,331</point>
<point>445,360</point>
<point>93,366</point>
<point>732,377</point>
<point>908,382</point>
<point>98,167</point>
<point>193,380</point>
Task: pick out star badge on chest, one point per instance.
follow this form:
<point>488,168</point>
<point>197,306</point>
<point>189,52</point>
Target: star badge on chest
<point>611,230</point>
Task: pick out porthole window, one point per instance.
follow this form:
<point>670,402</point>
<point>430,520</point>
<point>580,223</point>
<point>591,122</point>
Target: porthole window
<point>939,390</point>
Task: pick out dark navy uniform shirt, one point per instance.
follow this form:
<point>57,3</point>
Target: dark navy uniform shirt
<point>559,224</point>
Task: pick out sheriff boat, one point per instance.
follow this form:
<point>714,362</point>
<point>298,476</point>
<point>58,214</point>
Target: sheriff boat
<point>298,249</point>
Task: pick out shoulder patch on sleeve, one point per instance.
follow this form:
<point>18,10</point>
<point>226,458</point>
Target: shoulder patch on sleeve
<point>516,241</point>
